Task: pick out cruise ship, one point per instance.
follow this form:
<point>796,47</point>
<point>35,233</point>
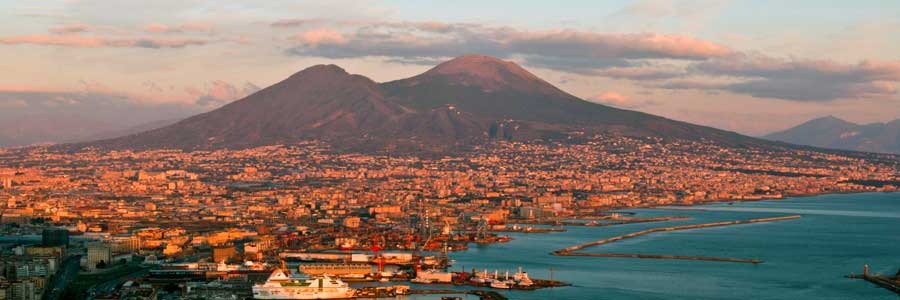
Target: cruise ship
<point>280,285</point>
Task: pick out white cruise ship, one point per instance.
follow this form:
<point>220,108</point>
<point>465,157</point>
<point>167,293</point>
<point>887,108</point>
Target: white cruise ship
<point>282,286</point>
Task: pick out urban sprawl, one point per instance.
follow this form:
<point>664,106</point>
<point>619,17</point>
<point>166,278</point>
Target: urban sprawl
<point>170,224</point>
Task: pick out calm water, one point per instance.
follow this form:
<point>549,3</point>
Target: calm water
<point>804,258</point>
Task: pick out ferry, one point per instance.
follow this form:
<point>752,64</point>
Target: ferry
<point>280,285</point>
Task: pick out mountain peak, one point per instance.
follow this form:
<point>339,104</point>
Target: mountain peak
<point>836,133</point>
<point>324,77</point>
<point>482,67</point>
<point>829,120</point>
<point>321,70</point>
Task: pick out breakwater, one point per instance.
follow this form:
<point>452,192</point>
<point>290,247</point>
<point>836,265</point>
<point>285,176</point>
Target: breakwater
<point>571,250</point>
<point>889,283</point>
<point>657,256</point>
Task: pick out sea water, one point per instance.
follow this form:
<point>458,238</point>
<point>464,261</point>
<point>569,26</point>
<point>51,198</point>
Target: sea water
<point>805,258</point>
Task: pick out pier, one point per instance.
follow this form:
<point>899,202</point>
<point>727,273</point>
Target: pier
<point>887,282</point>
<point>627,220</point>
<point>531,230</point>
<point>682,257</point>
<point>570,251</point>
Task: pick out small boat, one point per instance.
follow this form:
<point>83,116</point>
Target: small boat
<point>422,280</point>
<point>498,284</point>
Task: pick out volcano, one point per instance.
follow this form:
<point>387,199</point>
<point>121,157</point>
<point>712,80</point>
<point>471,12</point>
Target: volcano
<point>469,100</point>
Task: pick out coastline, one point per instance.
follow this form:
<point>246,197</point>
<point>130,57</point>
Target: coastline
<point>718,201</point>
<point>803,260</point>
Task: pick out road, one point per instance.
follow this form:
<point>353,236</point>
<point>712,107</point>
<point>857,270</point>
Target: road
<point>67,272</point>
<point>109,286</point>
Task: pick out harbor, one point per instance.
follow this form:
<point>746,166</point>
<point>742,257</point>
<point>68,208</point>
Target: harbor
<point>284,284</point>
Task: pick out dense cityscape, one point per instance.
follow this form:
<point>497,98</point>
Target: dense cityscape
<point>449,150</point>
<point>101,218</point>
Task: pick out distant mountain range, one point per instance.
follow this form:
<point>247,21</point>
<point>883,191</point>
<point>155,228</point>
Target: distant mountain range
<point>465,101</point>
<point>834,133</point>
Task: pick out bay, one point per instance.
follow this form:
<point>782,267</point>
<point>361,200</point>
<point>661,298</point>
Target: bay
<point>806,258</point>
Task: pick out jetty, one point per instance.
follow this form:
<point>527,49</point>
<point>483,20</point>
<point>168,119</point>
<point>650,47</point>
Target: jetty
<point>627,220</point>
<point>681,257</point>
<point>527,229</point>
<point>571,250</point>
<point>888,282</point>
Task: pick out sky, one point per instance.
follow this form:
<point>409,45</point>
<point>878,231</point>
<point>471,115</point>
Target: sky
<point>748,66</point>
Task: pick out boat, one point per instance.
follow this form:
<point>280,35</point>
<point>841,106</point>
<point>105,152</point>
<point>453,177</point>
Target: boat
<point>422,280</point>
<point>499,284</point>
<point>280,285</point>
<point>482,278</point>
<point>521,278</point>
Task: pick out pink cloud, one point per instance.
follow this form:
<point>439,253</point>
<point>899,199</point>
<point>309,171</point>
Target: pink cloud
<point>566,50</point>
<point>639,73</point>
<point>320,36</point>
<point>801,80</point>
<point>92,41</point>
<point>601,45</point>
<point>219,92</point>
<point>70,28</point>
<point>180,28</point>
<point>53,40</point>
<point>28,88</point>
<point>763,66</point>
<point>611,98</point>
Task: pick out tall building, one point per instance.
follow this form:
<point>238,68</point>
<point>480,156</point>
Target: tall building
<point>96,253</point>
<point>125,244</point>
<point>55,237</point>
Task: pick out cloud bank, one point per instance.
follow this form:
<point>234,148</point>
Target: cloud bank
<point>653,60</point>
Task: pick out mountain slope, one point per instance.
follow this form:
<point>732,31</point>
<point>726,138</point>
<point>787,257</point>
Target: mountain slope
<point>319,101</point>
<point>465,101</point>
<point>501,90</point>
<point>834,133</point>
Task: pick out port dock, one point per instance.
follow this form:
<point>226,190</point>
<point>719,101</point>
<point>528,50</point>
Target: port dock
<point>571,251</point>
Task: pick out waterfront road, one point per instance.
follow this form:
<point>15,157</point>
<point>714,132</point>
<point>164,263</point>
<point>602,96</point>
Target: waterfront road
<point>67,272</point>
